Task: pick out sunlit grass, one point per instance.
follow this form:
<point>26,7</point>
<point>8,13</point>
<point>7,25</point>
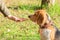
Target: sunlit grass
<point>26,30</point>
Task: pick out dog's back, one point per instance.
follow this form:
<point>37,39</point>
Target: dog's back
<point>57,34</point>
<point>52,33</point>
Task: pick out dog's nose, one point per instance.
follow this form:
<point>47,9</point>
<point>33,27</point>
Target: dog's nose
<point>29,16</point>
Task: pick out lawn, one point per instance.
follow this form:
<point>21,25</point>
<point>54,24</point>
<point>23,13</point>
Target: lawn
<point>26,30</point>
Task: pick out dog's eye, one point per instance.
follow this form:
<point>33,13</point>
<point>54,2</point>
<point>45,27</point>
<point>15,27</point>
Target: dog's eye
<point>35,14</point>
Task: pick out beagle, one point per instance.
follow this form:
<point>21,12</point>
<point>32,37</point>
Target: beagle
<point>47,29</point>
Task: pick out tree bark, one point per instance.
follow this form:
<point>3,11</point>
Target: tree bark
<point>47,3</point>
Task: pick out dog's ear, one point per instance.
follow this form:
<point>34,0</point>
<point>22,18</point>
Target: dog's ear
<point>41,19</point>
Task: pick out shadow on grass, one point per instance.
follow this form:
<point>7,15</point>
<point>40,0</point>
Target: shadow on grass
<point>26,7</point>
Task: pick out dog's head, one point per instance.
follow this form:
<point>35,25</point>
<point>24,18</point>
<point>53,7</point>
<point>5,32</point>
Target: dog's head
<point>40,17</point>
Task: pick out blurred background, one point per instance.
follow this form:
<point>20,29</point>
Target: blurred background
<point>26,30</point>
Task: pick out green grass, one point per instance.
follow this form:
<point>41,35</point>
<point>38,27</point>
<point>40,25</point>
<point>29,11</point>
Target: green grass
<point>26,30</point>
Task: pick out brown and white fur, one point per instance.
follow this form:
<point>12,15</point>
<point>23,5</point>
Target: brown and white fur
<point>47,29</point>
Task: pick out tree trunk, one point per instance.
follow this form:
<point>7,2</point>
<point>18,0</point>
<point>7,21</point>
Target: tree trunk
<point>47,3</point>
